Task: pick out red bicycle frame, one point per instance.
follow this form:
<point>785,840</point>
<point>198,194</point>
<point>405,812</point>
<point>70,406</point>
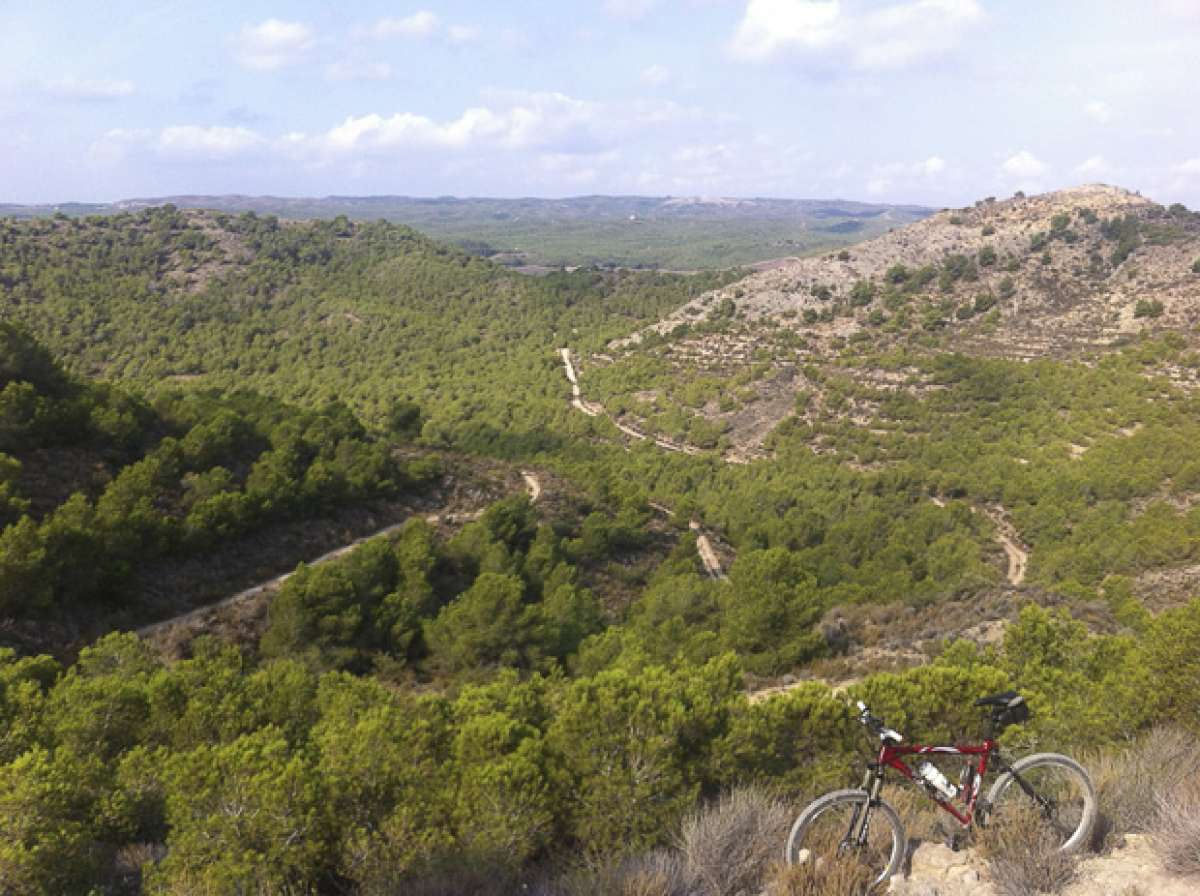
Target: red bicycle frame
<point>890,756</point>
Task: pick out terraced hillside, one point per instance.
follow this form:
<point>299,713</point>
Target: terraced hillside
<point>1023,277</point>
<point>1063,275</point>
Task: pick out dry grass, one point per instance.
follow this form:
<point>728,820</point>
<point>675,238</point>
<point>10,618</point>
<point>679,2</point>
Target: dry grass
<point>723,849</point>
<point>659,873</point>
<point>1176,835</point>
<point>1023,855</point>
<point>820,879</point>
<point>824,869</point>
<point>1128,781</point>
<point>728,846</point>
<point>470,880</point>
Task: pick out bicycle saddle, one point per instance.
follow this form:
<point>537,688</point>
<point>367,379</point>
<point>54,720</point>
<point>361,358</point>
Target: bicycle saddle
<point>1006,698</point>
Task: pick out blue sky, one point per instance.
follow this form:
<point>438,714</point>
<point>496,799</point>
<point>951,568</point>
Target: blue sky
<point>933,101</point>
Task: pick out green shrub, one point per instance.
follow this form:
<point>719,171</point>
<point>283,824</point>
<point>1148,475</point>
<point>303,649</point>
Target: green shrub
<point>1148,308</point>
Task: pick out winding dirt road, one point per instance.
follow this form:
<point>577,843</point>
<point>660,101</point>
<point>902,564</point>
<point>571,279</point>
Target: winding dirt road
<point>595,409</point>
<point>704,548</point>
<point>274,584</point>
<point>533,486</point>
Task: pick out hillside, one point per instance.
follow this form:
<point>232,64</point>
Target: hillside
<point>374,315</point>
<point>114,509</point>
<point>739,524</point>
<point>1023,277</point>
<point>1064,275</point>
<point>629,231</point>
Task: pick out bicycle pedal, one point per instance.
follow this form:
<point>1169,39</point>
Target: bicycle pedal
<point>956,842</point>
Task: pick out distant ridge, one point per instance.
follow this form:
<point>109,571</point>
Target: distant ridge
<point>670,232</point>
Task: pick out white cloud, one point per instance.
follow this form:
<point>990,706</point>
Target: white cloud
<point>88,89</point>
<point>463,34</point>
<point>1023,165</point>
<point>183,143</point>
<point>1093,168</point>
<point>1190,168</point>
<point>880,37</point>
<point>207,143</point>
<point>422,23</point>
<point>550,127</point>
<point>704,162</point>
<point>933,166</point>
<point>909,174</point>
<point>114,144</point>
<point>527,120</point>
<point>1098,112</point>
<point>353,70</point>
<point>1179,9</point>
<point>273,44</point>
<point>656,75</point>
<point>770,26</point>
<point>629,9</point>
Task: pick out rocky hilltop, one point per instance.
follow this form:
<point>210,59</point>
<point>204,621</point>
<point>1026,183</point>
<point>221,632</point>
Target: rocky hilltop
<point>1018,277</point>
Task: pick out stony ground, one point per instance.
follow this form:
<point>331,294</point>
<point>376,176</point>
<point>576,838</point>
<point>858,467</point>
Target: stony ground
<point>1134,869</point>
<point>1078,298</point>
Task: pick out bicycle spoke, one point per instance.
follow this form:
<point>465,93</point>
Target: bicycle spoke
<point>834,841</point>
<point>1058,797</point>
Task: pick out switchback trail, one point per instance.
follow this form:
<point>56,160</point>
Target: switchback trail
<point>532,484</point>
<point>595,409</point>
<point>708,556</point>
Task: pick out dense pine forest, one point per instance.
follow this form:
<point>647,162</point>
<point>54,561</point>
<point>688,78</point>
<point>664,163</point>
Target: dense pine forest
<point>551,684</point>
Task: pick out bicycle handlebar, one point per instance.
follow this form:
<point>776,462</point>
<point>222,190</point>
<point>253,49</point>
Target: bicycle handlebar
<point>876,725</point>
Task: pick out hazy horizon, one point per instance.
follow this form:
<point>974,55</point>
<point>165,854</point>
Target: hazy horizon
<point>926,102</point>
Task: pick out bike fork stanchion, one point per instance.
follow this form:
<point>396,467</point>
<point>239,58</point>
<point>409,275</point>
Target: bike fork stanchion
<point>861,821</point>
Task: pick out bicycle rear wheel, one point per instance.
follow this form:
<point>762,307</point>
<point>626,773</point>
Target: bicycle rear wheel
<point>822,841</point>
<point>1059,792</point>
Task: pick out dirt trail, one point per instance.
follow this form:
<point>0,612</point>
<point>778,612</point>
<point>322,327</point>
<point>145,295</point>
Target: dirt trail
<point>595,409</point>
<point>533,485</point>
<point>708,556</point>
<point>1008,538</point>
<point>261,588</point>
<point>577,401</point>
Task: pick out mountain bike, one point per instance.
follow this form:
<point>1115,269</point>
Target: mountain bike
<point>857,825</point>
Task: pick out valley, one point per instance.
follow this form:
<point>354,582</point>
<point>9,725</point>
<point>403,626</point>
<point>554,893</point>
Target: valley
<point>678,519</point>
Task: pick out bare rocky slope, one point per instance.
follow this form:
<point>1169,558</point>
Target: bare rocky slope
<point>1064,271</point>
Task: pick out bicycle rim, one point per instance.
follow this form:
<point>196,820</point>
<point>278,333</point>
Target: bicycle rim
<point>1060,809</point>
<point>823,846</point>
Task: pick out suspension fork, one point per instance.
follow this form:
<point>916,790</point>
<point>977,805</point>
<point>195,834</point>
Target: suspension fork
<point>861,818</point>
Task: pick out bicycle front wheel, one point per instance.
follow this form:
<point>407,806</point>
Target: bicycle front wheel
<point>831,845</point>
<point>1050,786</point>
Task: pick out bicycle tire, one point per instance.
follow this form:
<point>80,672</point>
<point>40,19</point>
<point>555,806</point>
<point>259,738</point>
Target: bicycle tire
<point>1003,786</point>
<point>841,798</point>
